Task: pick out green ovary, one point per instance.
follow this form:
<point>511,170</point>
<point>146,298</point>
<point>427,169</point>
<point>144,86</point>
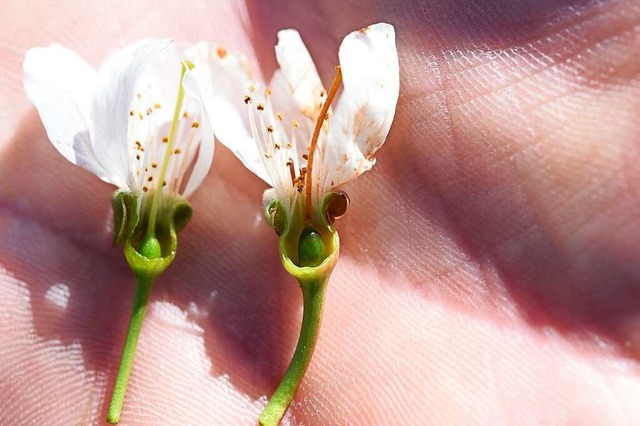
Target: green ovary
<point>311,249</point>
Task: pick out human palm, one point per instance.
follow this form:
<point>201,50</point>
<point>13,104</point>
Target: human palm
<point>489,262</point>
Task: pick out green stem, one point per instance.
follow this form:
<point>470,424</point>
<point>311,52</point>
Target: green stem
<point>313,301</point>
<point>144,284</point>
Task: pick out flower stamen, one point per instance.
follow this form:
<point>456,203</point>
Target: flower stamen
<point>292,172</point>
<point>337,80</point>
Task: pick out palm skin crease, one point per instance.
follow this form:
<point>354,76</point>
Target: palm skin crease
<point>489,265</point>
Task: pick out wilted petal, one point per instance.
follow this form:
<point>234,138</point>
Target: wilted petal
<point>362,119</point>
<point>300,73</point>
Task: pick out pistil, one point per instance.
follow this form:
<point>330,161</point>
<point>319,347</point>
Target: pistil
<point>337,80</point>
<point>155,204</point>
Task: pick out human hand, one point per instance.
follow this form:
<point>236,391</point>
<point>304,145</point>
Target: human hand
<point>489,263</point>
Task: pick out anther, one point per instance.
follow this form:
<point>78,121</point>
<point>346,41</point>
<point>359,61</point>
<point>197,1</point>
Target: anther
<point>221,51</point>
<point>165,139</point>
<point>260,107</point>
<point>270,128</point>
<point>177,151</point>
<point>195,124</point>
<point>295,123</point>
<point>279,116</point>
<point>247,99</point>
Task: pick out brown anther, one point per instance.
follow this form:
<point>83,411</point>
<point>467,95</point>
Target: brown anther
<point>165,139</point>
<point>288,145</point>
<point>195,124</point>
<point>267,92</point>
<point>145,189</point>
<point>322,93</point>
<point>164,183</point>
<point>268,155</point>
<point>247,99</point>
<point>270,128</point>
<point>260,107</point>
<point>177,151</point>
<point>276,145</point>
<point>305,156</point>
<point>154,164</point>
<point>185,114</point>
<point>295,123</point>
<point>221,52</point>
<point>149,111</point>
<point>279,116</point>
<point>137,156</point>
<point>303,171</point>
<point>131,113</point>
<point>150,178</point>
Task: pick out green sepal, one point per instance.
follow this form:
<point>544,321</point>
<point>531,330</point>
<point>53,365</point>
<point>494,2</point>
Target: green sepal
<point>125,214</point>
<point>130,229</point>
<point>273,211</point>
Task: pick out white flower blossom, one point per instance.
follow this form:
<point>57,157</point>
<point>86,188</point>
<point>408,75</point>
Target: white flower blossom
<point>271,128</point>
<point>115,121</point>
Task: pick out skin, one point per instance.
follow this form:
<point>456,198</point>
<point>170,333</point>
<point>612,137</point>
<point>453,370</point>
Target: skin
<point>489,271</point>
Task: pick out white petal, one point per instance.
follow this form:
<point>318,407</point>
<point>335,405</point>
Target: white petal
<point>115,89</point>
<point>205,156</point>
<point>61,84</point>
<point>362,119</point>
<point>300,72</point>
<point>221,80</point>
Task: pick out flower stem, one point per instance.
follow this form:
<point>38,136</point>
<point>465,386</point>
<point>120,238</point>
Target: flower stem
<point>144,284</point>
<point>313,292</point>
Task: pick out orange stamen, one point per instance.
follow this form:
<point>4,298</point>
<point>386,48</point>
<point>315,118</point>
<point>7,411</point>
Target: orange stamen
<point>337,80</point>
